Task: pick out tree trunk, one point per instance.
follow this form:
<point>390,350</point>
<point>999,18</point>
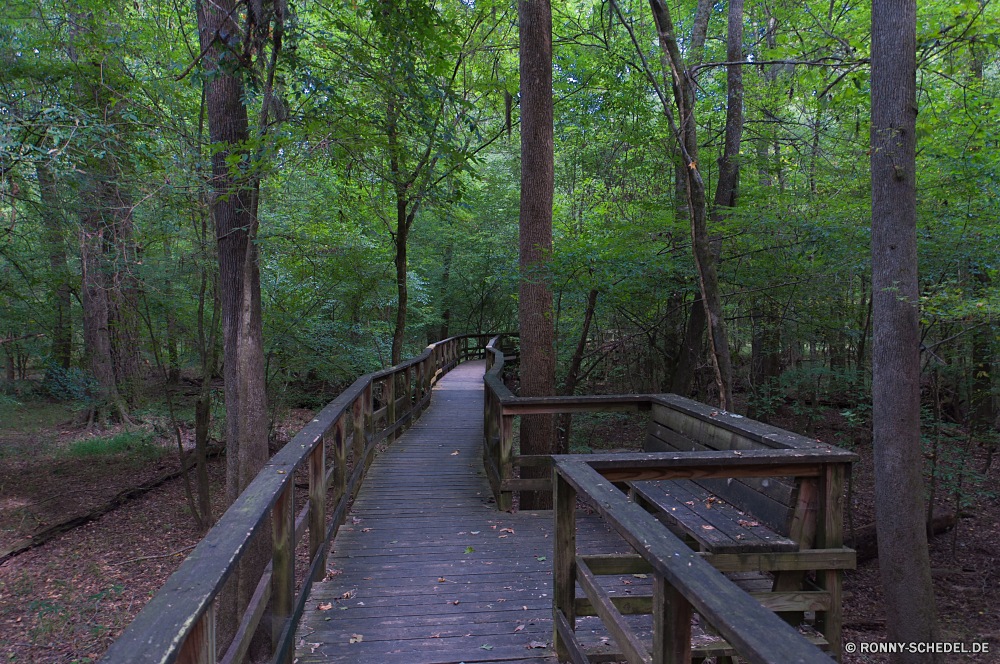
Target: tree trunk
<point>705,260</point>
<point>538,367</point>
<point>573,375</point>
<point>240,304</point>
<point>899,488</point>
<point>55,238</point>
<point>445,297</point>
<point>727,188</point>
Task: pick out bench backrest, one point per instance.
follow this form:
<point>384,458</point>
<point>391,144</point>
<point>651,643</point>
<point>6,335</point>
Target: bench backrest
<point>682,426</point>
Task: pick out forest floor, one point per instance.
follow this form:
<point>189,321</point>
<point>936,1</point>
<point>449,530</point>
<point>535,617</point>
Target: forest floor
<point>67,600</point>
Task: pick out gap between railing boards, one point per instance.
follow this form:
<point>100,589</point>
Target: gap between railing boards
<point>178,624</point>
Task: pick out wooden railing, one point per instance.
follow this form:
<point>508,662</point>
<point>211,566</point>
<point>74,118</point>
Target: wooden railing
<point>742,448</point>
<point>685,581</point>
<point>178,624</point>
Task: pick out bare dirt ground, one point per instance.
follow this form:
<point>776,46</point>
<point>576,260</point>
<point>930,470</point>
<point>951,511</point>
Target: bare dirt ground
<point>67,600</point>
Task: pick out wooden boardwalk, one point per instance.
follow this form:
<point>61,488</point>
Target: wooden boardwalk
<point>426,570</point>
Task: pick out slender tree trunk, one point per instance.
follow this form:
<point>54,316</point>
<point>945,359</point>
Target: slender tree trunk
<point>705,260</point>
<point>899,487</point>
<point>538,367</point>
<point>727,188</point>
<point>240,304</point>
<point>445,297</point>
<point>55,239</point>
<point>573,375</point>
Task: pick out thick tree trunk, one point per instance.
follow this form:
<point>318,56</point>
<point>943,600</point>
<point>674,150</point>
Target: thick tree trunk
<point>55,239</point>
<point>240,304</point>
<point>899,488</point>
<point>538,366</point>
<point>404,220</point>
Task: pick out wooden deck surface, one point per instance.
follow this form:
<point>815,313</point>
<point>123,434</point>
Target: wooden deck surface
<point>426,571</point>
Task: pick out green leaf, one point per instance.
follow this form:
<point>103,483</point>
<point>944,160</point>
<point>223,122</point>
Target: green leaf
<point>486,647</point>
<point>469,549</point>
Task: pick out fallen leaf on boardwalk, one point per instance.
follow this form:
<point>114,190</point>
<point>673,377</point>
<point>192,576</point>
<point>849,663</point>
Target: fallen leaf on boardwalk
<point>507,530</point>
<point>361,603</point>
<point>436,636</point>
<point>708,527</point>
<point>355,520</point>
<point>462,533</point>
<point>626,582</point>
<point>524,608</point>
<point>394,542</point>
<point>540,558</point>
<point>441,579</point>
<point>366,530</point>
<point>455,453</point>
<point>476,532</point>
<point>502,536</point>
<point>325,607</point>
<point>356,638</point>
<point>368,578</point>
<point>537,644</point>
<point>519,628</point>
<point>690,502</point>
<point>501,600</point>
<point>313,646</point>
<point>639,576</point>
<point>748,524</point>
<point>486,647</point>
<point>342,608</point>
<point>469,549</point>
<point>456,601</point>
<point>347,595</point>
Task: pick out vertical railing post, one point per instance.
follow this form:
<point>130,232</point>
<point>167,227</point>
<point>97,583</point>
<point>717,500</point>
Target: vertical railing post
<point>671,624</point>
<point>563,558</point>
<point>408,386</point>
<point>369,428</point>
<point>830,535</point>
<point>360,427</point>
<point>340,458</point>
<point>283,563</point>
<point>506,466</point>
<point>390,405</point>
<point>199,647</point>
<point>317,499</point>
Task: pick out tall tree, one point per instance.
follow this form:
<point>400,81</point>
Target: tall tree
<point>899,487</point>
<point>704,256</point>
<point>239,292</point>
<point>538,362</point>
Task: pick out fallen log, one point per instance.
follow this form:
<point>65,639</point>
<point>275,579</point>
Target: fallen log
<point>865,538</point>
<point>122,497</point>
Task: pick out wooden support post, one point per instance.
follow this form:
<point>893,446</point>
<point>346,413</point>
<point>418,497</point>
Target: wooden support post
<point>340,454</point>
<point>369,428</point>
<point>408,387</point>
<point>803,531</point>
<point>506,465</point>
<point>829,535</point>
<point>389,391</point>
<point>199,647</point>
<point>317,501</point>
<point>360,427</point>
<point>563,558</point>
<point>671,624</point>
<point>283,564</point>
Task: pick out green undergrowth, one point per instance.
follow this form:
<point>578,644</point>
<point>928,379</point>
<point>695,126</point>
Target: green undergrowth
<point>136,445</point>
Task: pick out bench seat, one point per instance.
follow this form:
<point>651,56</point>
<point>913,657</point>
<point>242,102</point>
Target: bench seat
<point>717,527</point>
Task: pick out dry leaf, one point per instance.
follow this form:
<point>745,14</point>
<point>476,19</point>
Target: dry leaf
<point>519,628</point>
<point>709,527</point>
<point>507,530</point>
<point>538,644</point>
<point>455,453</point>
<point>325,607</point>
<point>455,602</point>
<point>356,638</point>
<point>366,530</point>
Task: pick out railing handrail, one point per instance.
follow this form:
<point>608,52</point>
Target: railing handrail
<point>757,633</point>
<point>172,617</point>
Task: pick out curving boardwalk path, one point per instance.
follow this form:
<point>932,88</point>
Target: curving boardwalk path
<point>426,571</point>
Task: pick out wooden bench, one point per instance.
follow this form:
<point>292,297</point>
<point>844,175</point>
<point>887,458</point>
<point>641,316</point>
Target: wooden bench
<point>773,518</point>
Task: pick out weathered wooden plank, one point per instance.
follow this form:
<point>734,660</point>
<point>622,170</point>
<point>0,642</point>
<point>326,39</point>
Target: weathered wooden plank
<point>621,632</point>
<point>758,634</point>
<point>564,635</point>
<point>671,624</point>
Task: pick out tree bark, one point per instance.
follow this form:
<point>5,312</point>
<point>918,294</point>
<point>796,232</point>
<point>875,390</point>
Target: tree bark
<point>727,187</point>
<point>538,367</point>
<point>899,488</point>
<point>240,303</point>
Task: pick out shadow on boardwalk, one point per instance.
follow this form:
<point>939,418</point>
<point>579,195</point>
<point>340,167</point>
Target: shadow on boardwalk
<point>426,571</point>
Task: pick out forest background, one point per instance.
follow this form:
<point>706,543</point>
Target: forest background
<point>382,153</point>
